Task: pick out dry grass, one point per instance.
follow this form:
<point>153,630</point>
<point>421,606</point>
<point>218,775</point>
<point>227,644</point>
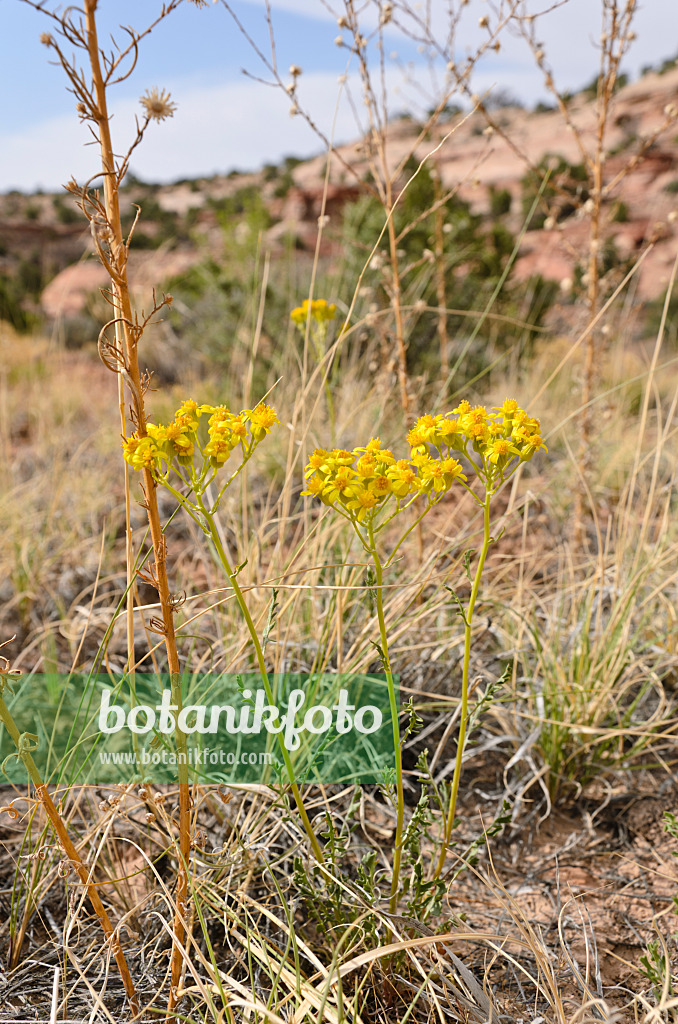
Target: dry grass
<point>573,691</point>
<point>591,642</point>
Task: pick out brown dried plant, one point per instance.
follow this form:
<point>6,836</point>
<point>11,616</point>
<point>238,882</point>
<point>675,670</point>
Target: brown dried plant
<point>77,28</point>
<point>24,744</point>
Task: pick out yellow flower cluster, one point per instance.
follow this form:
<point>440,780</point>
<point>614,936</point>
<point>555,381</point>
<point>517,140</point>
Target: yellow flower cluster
<point>321,311</point>
<point>179,439</point>
<point>499,436</point>
<point>359,482</point>
<point>362,480</point>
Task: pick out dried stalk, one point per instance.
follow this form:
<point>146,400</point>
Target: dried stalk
<point>119,253</point>
<point>23,744</point>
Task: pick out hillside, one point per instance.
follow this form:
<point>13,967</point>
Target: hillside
<point>46,255</point>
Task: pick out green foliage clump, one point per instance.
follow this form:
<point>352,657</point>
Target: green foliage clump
<point>654,313</point>
<point>500,201</point>
<point>165,225</point>
<point>620,212</point>
<point>19,292</point>
<point>66,213</point>
<point>590,91</point>
<point>475,254</point>
<point>561,187</point>
<point>244,206</point>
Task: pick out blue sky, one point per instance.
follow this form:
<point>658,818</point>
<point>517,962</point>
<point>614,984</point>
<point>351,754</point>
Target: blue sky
<point>226,120</point>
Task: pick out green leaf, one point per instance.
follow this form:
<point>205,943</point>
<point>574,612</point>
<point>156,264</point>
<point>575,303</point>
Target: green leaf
<point>460,606</point>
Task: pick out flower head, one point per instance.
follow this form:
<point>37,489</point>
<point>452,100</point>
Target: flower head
<point>321,312</point>
<point>179,439</point>
<point>261,420</point>
<point>157,105</point>
<point>364,503</point>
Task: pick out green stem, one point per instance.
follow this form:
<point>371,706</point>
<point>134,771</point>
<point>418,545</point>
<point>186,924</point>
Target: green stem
<point>468,624</point>
<point>395,716</point>
<point>240,598</point>
<point>409,530</point>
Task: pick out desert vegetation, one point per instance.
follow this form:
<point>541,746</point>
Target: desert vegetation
<point>373,440</point>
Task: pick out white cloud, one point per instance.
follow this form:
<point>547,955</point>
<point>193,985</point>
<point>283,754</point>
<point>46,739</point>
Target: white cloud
<point>215,129</point>
<point>242,124</point>
<point>306,8</point>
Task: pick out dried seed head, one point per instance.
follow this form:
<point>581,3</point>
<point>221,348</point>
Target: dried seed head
<point>46,39</point>
<point>342,22</point>
<point>295,70</point>
<point>483,22</point>
<point>338,40</point>
<point>294,110</point>
<point>157,105</point>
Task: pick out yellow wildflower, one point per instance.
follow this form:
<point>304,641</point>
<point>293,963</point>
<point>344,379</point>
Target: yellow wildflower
<point>366,466</point>
<point>316,461</point>
<point>320,310</point>
<point>364,502</point>
<point>339,484</point>
<point>261,420</point>
<point>462,408</point>
<point>452,471</point>
<point>380,486</point>
<point>403,478</point>
<point>500,451</point>
<point>315,487</point>
<point>218,450</point>
<point>508,408</point>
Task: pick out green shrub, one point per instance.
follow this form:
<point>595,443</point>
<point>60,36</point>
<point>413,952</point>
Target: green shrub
<point>475,255</point>
<point>620,212</point>
<point>66,213</point>
<point>500,201</point>
<point>564,191</point>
